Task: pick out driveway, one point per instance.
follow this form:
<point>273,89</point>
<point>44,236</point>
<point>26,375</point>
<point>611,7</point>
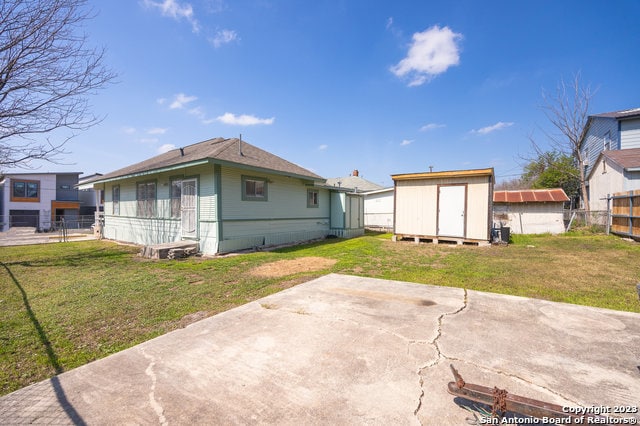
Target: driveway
<point>25,236</point>
<point>350,350</point>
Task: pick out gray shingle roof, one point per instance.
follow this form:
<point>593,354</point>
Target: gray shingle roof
<point>627,113</point>
<point>354,182</point>
<point>221,150</point>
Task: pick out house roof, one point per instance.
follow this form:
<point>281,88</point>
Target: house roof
<point>441,175</point>
<point>624,114</point>
<point>219,150</point>
<point>555,195</point>
<point>356,183</point>
<point>627,113</point>
<point>627,158</point>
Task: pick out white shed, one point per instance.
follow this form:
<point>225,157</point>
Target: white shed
<point>448,206</point>
<point>531,211</point>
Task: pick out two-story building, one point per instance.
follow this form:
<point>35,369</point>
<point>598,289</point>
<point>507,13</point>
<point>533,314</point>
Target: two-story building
<point>38,200</point>
<point>611,147</point>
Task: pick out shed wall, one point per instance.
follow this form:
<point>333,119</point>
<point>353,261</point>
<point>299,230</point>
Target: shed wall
<point>530,218</point>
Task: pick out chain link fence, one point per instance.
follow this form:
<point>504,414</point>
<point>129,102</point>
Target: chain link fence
<point>596,220</point>
<point>45,224</point>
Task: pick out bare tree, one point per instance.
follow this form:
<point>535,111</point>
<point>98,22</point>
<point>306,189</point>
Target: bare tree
<point>568,112</point>
<point>47,72</point>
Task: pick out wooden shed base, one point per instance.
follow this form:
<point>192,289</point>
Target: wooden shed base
<point>438,240</point>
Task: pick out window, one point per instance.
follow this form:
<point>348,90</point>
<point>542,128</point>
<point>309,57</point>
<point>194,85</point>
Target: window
<point>25,190</point>
<point>254,189</point>
<point>115,199</point>
<point>146,197</point>
<point>176,196</point>
<point>312,198</point>
<point>607,141</point>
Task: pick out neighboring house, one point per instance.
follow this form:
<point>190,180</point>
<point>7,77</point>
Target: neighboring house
<point>355,182</point>
<point>38,200</point>
<point>378,201</point>
<point>91,200</point>
<point>530,211</point>
<point>613,172</point>
<point>227,195</point>
<point>378,209</point>
<point>611,131</point>
<point>449,206</point>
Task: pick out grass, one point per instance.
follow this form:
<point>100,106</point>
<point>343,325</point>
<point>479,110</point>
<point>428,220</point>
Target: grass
<point>63,305</point>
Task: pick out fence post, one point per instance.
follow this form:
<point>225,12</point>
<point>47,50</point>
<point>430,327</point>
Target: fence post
<point>608,213</point>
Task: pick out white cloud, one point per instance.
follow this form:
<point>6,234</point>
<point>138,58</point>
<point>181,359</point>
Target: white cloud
<point>406,142</point>
<point>389,22</point>
<point>180,100</point>
<point>157,131</point>
<point>166,148</point>
<point>432,52</point>
<point>128,130</point>
<point>431,126</point>
<point>323,147</point>
<point>176,10</point>
<point>243,120</point>
<point>223,37</point>
<point>498,126</point>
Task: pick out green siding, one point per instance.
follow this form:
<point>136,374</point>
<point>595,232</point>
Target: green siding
<point>226,221</point>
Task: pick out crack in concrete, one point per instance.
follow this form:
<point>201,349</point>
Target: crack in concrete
<point>157,407</point>
<point>440,355</point>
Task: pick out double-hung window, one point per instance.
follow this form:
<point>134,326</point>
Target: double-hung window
<point>115,200</point>
<point>312,198</point>
<point>176,198</point>
<point>254,189</point>
<point>146,199</point>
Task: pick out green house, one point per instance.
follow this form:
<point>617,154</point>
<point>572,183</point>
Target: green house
<point>227,195</point>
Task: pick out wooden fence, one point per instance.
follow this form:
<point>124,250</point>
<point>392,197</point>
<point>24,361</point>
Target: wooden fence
<point>625,214</point>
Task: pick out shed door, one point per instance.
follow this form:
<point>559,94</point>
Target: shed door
<point>188,207</point>
<point>451,203</point>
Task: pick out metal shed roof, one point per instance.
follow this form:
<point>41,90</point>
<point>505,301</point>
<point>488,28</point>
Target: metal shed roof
<point>555,195</point>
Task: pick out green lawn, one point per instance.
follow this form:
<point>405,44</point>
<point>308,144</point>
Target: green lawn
<point>63,305</point>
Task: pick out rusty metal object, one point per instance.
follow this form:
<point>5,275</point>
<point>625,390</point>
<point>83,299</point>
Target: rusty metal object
<point>501,402</point>
<point>499,406</point>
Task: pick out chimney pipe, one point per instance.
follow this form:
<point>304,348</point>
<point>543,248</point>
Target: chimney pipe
<point>240,146</point>
<point>181,152</point>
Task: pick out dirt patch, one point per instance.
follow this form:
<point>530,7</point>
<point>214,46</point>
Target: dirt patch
<point>282,268</point>
<point>191,318</point>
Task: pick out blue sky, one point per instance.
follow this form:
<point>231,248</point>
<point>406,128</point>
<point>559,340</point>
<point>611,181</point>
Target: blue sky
<point>384,87</point>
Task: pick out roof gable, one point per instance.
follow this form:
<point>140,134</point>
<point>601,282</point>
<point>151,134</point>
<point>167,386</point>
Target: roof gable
<point>555,195</point>
<point>232,151</point>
